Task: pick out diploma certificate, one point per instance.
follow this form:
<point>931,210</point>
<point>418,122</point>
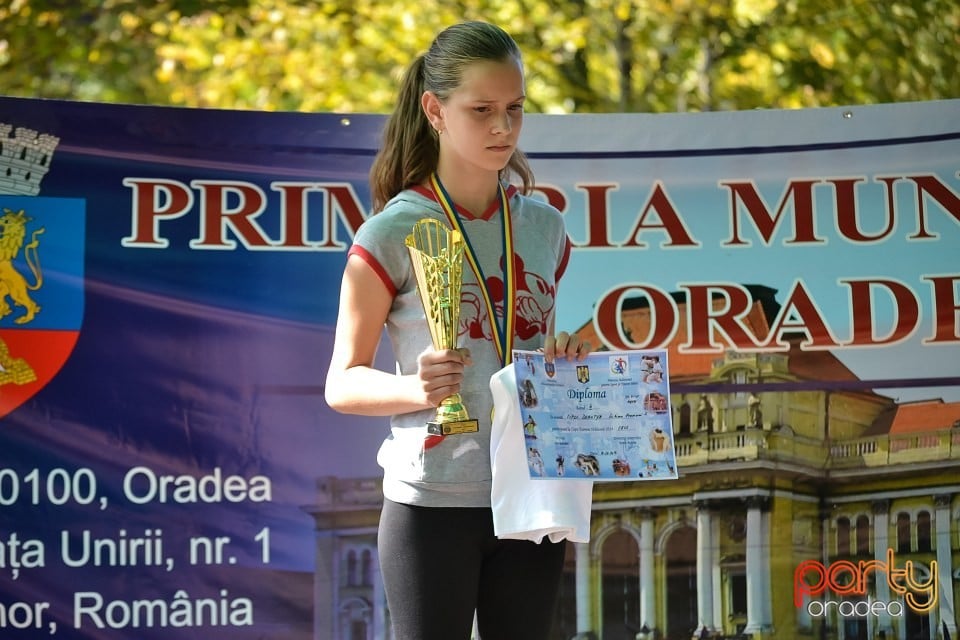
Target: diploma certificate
<point>606,417</point>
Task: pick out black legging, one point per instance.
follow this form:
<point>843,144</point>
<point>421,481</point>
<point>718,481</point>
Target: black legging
<point>439,565</point>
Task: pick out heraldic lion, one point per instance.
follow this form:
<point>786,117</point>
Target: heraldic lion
<point>13,231</point>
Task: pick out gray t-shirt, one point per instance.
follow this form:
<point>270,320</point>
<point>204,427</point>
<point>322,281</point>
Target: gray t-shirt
<point>456,472</point>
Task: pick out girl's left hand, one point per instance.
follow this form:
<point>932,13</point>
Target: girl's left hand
<point>565,345</point>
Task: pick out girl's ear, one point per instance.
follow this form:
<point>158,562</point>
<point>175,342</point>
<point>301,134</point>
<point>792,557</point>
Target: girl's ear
<point>433,109</point>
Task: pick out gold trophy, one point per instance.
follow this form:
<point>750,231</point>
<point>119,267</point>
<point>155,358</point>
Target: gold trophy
<point>436,253</point>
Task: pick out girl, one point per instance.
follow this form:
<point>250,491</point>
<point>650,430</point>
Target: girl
<point>447,153</point>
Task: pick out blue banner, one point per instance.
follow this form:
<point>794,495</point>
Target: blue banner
<point>170,284</point>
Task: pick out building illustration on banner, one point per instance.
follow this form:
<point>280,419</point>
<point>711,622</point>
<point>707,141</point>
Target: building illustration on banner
<point>809,505</point>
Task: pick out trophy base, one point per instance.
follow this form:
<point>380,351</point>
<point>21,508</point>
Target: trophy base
<point>453,428</point>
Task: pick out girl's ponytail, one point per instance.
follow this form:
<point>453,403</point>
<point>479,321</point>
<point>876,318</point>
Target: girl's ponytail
<point>410,148</point>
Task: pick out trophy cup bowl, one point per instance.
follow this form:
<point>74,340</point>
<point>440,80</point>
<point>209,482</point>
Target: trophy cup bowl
<point>436,253</point>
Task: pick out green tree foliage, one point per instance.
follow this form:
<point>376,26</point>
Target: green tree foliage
<point>581,55</point>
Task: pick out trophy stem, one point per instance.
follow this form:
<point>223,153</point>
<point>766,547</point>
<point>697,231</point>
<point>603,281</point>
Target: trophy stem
<point>451,409</point>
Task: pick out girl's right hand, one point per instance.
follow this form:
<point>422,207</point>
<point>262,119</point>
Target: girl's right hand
<point>441,373</point>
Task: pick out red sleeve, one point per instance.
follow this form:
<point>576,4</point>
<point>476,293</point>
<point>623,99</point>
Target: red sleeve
<point>366,256</point>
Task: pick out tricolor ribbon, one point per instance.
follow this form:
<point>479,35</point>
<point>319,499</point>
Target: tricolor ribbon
<point>502,331</point>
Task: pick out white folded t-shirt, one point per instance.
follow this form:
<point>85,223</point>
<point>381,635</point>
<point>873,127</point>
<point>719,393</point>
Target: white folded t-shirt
<point>525,508</point>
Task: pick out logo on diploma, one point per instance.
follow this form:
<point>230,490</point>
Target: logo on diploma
<point>583,373</point>
<point>436,253</point>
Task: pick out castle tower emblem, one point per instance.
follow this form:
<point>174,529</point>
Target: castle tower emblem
<point>24,159</point>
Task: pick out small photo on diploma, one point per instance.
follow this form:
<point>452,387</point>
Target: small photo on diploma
<point>606,417</point>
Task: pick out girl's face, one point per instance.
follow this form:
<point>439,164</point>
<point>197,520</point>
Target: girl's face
<point>481,119</point>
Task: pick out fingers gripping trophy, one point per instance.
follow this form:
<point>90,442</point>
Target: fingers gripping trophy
<point>436,253</point>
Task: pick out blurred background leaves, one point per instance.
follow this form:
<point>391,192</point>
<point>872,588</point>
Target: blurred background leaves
<point>581,55</point>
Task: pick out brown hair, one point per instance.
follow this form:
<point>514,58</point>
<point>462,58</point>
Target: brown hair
<point>410,149</point>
